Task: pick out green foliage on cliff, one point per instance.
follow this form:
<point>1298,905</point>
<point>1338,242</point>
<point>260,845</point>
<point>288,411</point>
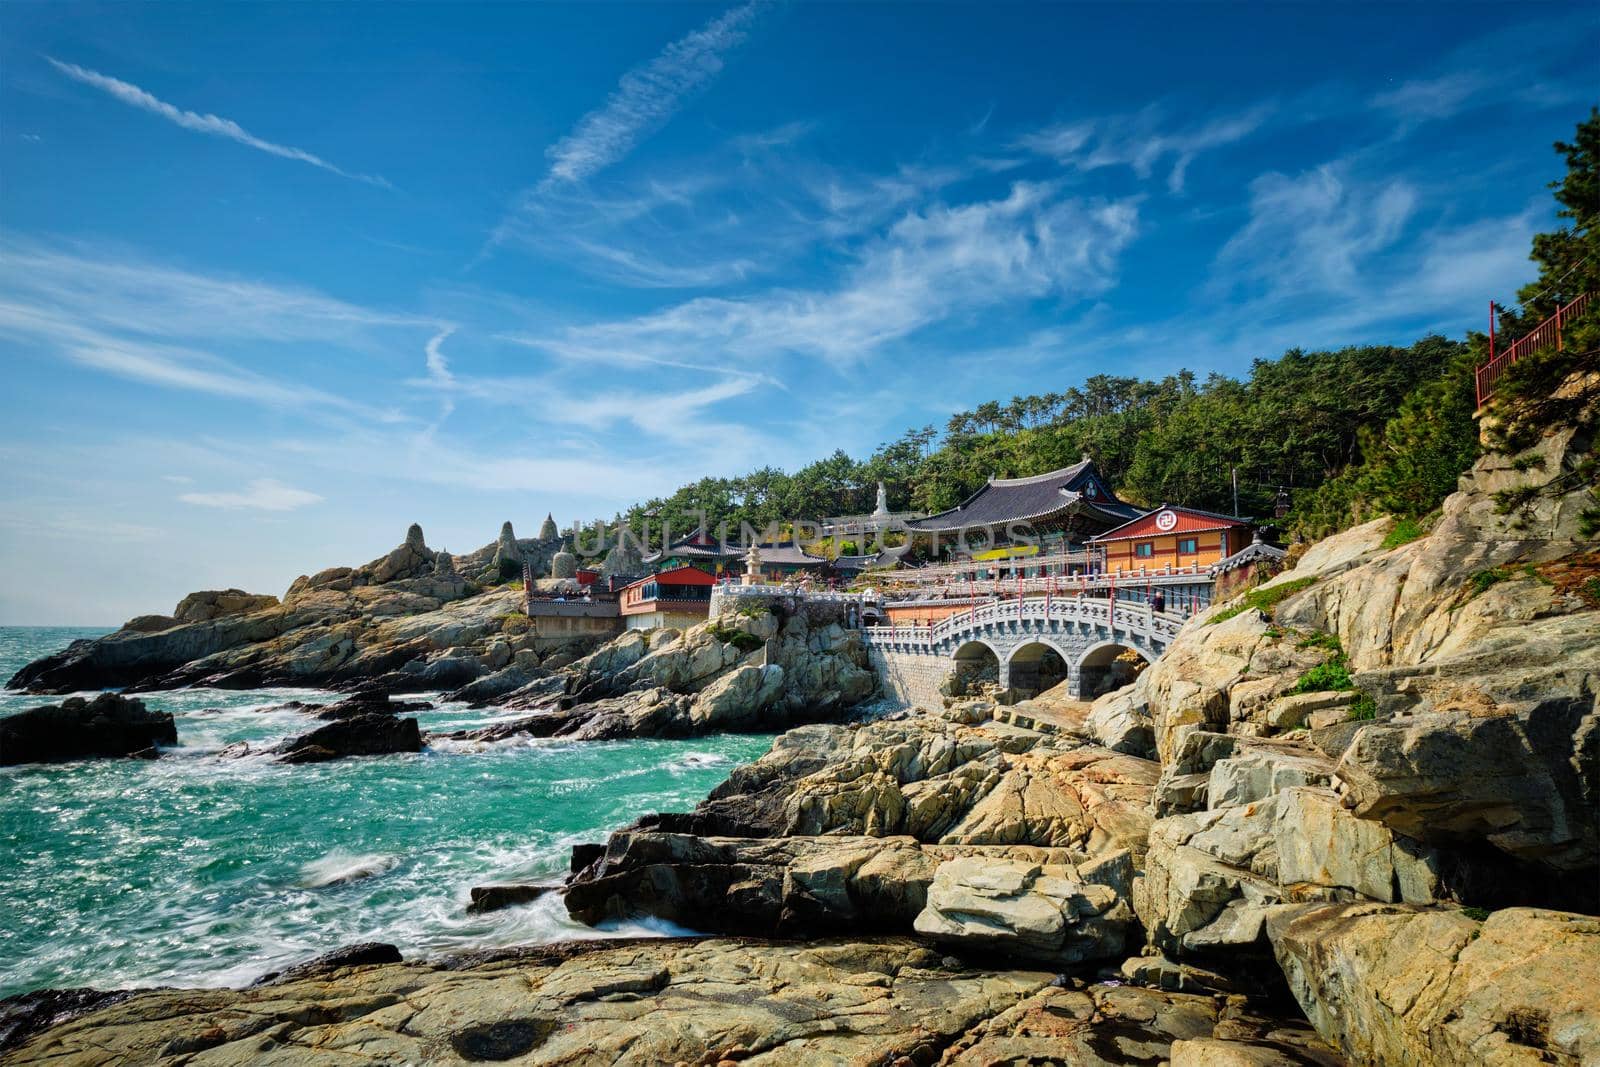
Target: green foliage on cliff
<point>740,639</point>
<point>1480,581</point>
<point>1332,675</point>
<point>1264,599</point>
<point>1405,531</point>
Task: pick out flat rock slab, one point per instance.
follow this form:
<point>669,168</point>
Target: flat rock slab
<point>663,1001</point>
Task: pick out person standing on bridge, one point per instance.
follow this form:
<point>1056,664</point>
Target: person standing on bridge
<point>1158,601</point>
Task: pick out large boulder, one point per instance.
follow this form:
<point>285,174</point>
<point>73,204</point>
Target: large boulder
<point>1525,784</point>
<point>109,725</point>
<point>215,603</point>
<point>1251,826</point>
<point>1060,912</point>
<point>739,699</point>
<point>1439,986</point>
<point>373,734</point>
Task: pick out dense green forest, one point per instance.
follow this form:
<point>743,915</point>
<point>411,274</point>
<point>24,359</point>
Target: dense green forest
<point>1350,433</point>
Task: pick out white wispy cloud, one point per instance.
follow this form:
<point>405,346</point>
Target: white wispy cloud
<point>162,326</point>
<point>122,292</point>
<point>648,96</point>
<point>931,265</point>
<point>1141,140</point>
<point>1433,98</point>
<point>1315,232</point>
<point>214,125</point>
<point>263,494</point>
<point>433,352</point>
<point>745,209</point>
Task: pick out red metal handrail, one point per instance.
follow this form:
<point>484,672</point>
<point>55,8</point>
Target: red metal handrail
<point>1544,335</point>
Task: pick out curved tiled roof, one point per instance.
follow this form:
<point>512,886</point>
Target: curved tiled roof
<point>787,553</point>
<point>1256,551</point>
<point>695,546</point>
<point>1040,496</point>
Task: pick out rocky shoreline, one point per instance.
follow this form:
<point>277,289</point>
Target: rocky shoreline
<point>1349,816</point>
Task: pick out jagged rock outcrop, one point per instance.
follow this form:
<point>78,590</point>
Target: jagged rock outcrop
<point>1356,750</point>
<point>107,726</point>
<point>1431,985</point>
<point>1268,831</point>
<point>937,781</point>
<point>732,673</point>
<point>825,667</point>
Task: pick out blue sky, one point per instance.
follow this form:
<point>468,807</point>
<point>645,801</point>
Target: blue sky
<point>278,280</point>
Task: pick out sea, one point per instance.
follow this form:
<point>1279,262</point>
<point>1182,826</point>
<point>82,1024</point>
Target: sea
<point>204,869</point>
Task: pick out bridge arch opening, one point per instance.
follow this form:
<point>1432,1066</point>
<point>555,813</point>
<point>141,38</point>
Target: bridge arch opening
<point>975,664</point>
<point>1109,666</point>
<point>1036,667</point>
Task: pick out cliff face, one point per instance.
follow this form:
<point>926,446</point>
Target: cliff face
<point>1368,754</point>
<point>1468,717</point>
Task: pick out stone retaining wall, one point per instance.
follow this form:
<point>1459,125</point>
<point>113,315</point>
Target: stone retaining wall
<point>910,678</point>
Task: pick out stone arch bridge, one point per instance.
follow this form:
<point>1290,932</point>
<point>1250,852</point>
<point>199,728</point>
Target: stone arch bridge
<point>1028,644</point>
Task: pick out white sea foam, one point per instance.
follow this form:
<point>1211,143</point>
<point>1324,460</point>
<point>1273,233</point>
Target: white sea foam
<point>691,761</point>
<point>338,867</point>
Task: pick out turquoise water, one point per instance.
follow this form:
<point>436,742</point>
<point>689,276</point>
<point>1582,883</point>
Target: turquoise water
<point>200,869</point>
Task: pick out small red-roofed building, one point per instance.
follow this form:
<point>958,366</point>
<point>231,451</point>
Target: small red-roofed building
<point>1172,536</point>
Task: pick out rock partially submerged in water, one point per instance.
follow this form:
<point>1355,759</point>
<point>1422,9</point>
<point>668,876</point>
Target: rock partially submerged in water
<point>372,734</point>
<point>110,725</point>
<point>365,954</point>
<point>658,1001</point>
<point>495,897</point>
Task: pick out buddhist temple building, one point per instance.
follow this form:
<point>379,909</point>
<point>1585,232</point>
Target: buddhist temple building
<point>1062,510</point>
<point>784,560</point>
<point>678,597</point>
<point>701,550</point>
<point>1170,538</point>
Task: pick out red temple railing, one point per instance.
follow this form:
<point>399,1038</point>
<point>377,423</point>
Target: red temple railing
<point>1545,335</point>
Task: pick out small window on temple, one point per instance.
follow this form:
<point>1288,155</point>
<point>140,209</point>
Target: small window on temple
<point>1188,546</point>
<point>1144,549</point>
